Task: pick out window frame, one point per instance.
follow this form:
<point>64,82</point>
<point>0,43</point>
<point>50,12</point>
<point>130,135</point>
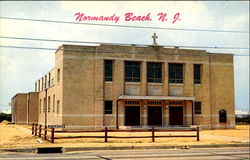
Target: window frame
<point>54,101</point>
<point>197,111</point>
<point>134,66</point>
<point>175,78</point>
<point>57,106</point>
<point>197,73</point>
<point>107,109</point>
<point>108,78</point>
<point>48,103</point>
<point>152,68</point>
<point>222,116</point>
<point>58,75</point>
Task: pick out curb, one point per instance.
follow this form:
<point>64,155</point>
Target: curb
<point>72,149</point>
<point>27,150</point>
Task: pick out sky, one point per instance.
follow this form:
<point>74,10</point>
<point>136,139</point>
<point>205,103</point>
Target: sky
<point>20,68</point>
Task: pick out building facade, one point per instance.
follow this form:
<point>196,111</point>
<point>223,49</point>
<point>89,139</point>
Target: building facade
<point>24,108</point>
<point>129,86</point>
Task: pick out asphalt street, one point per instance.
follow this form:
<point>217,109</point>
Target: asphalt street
<point>154,154</point>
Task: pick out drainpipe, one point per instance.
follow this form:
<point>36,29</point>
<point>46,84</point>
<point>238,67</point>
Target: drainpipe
<point>117,120</point>
<point>45,120</point>
<point>192,112</point>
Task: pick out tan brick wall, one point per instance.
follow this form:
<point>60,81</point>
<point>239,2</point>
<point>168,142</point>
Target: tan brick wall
<point>32,108</point>
<point>82,90</point>
<point>19,102</point>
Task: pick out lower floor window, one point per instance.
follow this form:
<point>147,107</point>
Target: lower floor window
<point>197,107</point>
<point>57,107</point>
<point>223,115</point>
<point>108,107</point>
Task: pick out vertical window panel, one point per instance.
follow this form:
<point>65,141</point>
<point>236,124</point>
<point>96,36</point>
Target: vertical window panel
<point>175,73</point>
<point>108,65</point>
<point>197,74</point>
<point>132,71</point>
<point>154,72</point>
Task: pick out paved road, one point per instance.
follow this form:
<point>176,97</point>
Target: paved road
<point>153,154</point>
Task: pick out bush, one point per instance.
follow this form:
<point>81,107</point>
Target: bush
<point>244,119</point>
<point>4,116</point>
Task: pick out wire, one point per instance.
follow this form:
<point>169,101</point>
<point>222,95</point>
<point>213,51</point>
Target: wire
<point>99,51</point>
<point>69,41</point>
<point>110,25</point>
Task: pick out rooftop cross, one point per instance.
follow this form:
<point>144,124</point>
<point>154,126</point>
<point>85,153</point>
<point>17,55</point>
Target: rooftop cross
<point>154,39</point>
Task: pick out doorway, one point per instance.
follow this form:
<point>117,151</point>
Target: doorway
<point>132,115</point>
<point>175,115</point>
<point>154,115</point>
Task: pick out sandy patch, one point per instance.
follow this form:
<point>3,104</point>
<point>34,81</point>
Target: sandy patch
<point>18,136</point>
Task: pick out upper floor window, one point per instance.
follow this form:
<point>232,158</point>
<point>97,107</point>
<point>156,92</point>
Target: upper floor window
<point>45,82</point>
<point>223,115</point>
<point>38,85</point>
<point>197,74</point>
<point>132,71</point>
<point>49,81</point>
<point>197,107</point>
<point>58,75</point>
<point>42,84</point>
<point>154,72</point>
<point>175,73</point>
<point>108,65</point>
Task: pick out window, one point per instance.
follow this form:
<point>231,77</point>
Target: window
<point>223,116</point>
<point>53,103</point>
<point>108,107</point>
<point>40,106</point>
<point>58,75</point>
<point>44,105</point>
<point>57,107</point>
<point>154,72</point>
<point>197,107</point>
<point>132,72</point>
<point>45,82</point>
<point>108,70</point>
<point>197,74</point>
<point>49,81</point>
<point>42,83</point>
<point>175,73</point>
<point>38,85</point>
<point>49,104</point>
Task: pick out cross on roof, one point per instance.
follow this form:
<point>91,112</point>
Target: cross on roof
<point>154,39</point>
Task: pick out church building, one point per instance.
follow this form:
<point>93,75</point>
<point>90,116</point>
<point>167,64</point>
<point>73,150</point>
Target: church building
<point>136,86</point>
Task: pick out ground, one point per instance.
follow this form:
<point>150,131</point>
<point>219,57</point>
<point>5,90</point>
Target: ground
<point>19,136</point>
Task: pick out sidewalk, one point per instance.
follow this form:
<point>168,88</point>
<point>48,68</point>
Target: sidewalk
<point>73,149</point>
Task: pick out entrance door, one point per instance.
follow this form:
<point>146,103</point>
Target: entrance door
<point>176,115</point>
<point>155,115</point>
<point>132,115</point>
